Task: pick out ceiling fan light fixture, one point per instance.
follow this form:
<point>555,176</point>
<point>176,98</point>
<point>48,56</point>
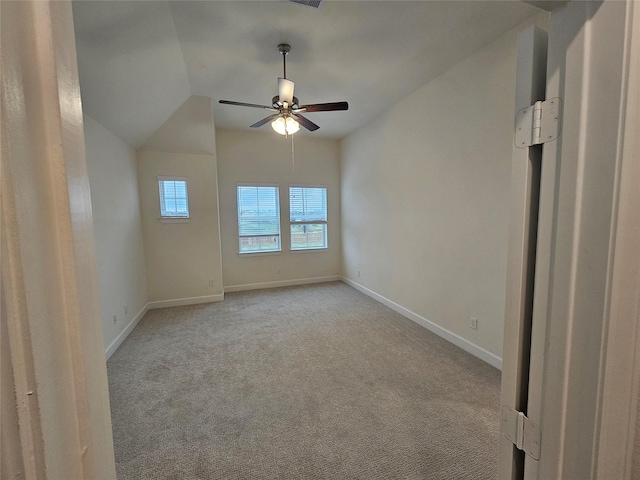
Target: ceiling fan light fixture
<point>286,107</point>
<point>285,125</point>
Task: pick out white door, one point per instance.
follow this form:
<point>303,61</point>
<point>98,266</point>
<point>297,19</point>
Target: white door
<point>558,379</point>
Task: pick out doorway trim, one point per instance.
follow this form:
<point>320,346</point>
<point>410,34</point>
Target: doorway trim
<point>621,357</point>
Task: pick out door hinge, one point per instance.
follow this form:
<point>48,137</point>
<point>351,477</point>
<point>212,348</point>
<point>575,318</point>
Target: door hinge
<point>521,431</point>
<point>538,123</point>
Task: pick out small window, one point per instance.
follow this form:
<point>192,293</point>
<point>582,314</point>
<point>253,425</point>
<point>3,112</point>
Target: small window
<point>258,219</point>
<point>174,199</point>
<point>308,217</point>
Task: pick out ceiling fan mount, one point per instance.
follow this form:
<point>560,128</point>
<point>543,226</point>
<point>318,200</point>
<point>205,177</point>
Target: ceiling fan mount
<point>284,48</point>
<point>287,117</point>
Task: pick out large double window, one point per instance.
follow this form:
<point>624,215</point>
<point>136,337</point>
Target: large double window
<point>259,218</point>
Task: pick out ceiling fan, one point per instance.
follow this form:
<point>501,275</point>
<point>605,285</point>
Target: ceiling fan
<point>287,117</point>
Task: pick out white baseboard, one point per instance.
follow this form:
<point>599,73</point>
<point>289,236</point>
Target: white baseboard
<point>451,337</point>
<point>282,283</point>
<point>111,349</point>
<point>179,302</point>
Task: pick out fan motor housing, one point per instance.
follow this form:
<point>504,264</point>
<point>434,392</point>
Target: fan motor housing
<point>276,99</point>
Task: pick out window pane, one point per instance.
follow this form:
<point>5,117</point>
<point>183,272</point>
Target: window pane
<point>180,189</point>
<point>308,236</point>
<point>308,204</point>
<point>258,219</point>
<point>181,207</point>
<point>268,243</point>
<point>174,200</point>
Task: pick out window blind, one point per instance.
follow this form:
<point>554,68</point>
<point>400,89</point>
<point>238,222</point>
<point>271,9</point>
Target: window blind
<point>308,204</point>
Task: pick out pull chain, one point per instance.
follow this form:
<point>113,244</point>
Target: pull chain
<point>293,156</point>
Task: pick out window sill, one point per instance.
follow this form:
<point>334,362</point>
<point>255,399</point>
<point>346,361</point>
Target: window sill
<point>310,250</point>
<point>259,254</point>
<point>174,220</point>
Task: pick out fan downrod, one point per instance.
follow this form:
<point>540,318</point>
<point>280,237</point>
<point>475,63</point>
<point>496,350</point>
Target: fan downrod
<point>284,49</point>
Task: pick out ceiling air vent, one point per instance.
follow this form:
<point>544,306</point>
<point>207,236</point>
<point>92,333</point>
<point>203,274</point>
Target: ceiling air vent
<point>308,3</point>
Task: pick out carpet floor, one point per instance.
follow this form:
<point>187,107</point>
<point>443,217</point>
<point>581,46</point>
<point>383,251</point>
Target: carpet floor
<point>309,382</point>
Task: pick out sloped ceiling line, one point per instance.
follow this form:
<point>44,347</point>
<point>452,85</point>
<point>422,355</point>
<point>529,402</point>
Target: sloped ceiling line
<point>139,61</point>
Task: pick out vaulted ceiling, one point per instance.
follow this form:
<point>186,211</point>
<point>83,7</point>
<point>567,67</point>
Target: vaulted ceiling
<point>140,60</point>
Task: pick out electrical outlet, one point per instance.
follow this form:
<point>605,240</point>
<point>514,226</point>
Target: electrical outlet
<point>115,319</point>
<point>473,323</point>
<point>126,309</point>
<point>212,283</point>
<point>279,271</point>
<point>358,272</point>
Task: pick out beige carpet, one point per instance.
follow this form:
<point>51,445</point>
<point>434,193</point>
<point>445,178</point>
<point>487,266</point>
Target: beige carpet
<point>311,382</point>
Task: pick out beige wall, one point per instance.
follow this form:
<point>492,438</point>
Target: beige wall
<point>425,197</point>
<point>257,157</point>
<point>188,130</point>
<point>181,258</point>
<point>118,228</point>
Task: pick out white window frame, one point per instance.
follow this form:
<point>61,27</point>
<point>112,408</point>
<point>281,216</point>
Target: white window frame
<point>310,222</point>
<point>173,218</point>
<point>278,209</point>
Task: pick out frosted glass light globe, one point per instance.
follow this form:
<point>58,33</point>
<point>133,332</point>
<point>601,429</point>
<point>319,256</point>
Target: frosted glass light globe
<point>285,125</point>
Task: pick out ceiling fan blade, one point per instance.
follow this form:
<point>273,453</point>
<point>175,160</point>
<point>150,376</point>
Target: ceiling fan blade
<point>265,120</point>
<point>325,107</point>
<point>241,104</point>
<point>306,123</point>
<point>285,90</point>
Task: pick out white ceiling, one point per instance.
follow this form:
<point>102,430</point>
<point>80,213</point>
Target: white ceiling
<point>140,60</point>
